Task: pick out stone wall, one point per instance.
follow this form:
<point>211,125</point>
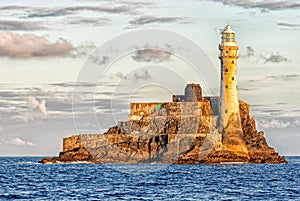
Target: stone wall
<point>168,118</point>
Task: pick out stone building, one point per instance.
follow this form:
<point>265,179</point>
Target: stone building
<point>192,93</point>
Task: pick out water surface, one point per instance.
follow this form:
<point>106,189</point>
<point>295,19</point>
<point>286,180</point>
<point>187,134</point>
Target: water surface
<point>23,178</point>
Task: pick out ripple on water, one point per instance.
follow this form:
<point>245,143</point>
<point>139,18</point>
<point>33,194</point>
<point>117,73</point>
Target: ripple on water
<point>23,178</point>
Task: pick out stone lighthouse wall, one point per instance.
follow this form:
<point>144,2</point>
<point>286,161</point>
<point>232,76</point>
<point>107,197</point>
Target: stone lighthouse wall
<point>229,93</point>
<point>229,120</point>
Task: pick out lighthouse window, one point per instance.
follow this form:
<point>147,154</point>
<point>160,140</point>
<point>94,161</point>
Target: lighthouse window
<point>226,70</point>
<point>232,78</point>
<point>226,86</point>
<point>232,62</point>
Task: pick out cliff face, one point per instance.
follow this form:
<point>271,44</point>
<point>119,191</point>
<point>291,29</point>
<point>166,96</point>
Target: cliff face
<point>148,138</point>
<point>257,146</point>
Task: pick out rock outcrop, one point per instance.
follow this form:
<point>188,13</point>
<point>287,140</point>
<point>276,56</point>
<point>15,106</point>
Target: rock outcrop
<point>168,133</point>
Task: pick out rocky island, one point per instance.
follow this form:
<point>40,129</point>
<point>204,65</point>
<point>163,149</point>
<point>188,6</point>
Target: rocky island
<point>192,129</point>
<point>170,133</point>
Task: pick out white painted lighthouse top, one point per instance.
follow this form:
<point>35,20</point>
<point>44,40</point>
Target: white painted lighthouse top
<point>228,29</point>
<point>228,37</point>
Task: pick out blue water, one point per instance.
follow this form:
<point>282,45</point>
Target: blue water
<point>23,178</point>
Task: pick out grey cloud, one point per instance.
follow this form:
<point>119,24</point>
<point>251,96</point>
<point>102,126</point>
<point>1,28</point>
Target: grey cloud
<point>136,76</point>
<point>117,9</point>
<point>94,22</point>
<point>29,45</point>
<point>99,59</point>
<point>263,4</point>
<point>40,13</point>
<point>144,75</point>
<point>284,24</point>
<point>274,58</point>
<point>152,19</point>
<point>284,77</point>
<point>83,50</point>
<point>19,105</point>
<point>90,50</point>
<point>270,58</point>
<point>54,12</point>
<point>138,3</point>
<point>273,78</point>
<point>279,123</point>
<point>63,84</point>
<point>13,25</point>
<point>14,7</point>
<point>249,53</point>
<point>20,142</point>
<point>120,75</point>
<point>153,54</point>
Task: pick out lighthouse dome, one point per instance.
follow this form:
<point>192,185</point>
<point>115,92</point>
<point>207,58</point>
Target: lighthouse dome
<point>228,37</point>
<point>228,29</point>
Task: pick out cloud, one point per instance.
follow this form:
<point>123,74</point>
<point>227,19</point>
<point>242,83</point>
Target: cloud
<point>90,50</point>
<point>41,12</point>
<point>94,22</point>
<point>274,58</point>
<point>143,20</point>
<point>29,45</point>
<point>83,50</point>
<point>144,75</point>
<point>283,77</point>
<point>35,104</point>
<point>270,58</point>
<point>249,52</point>
<point>139,3</point>
<point>13,25</point>
<point>284,24</point>
<point>120,75</point>
<point>261,4</point>
<point>277,123</point>
<point>136,76</point>
<point>20,142</point>
<point>99,59</point>
<point>153,54</point>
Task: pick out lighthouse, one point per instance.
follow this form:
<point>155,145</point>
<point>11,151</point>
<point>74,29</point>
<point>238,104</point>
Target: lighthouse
<point>229,123</point>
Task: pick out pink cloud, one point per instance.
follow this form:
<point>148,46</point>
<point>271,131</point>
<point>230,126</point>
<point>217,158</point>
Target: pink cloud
<point>35,104</point>
<point>30,45</point>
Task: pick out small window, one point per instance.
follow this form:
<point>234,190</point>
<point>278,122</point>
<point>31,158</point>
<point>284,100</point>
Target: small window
<point>226,111</point>
<point>226,86</point>
<point>232,78</point>
<point>226,70</point>
<point>232,61</point>
<point>227,52</point>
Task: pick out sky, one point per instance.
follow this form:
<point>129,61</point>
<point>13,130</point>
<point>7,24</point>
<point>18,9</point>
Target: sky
<point>47,46</point>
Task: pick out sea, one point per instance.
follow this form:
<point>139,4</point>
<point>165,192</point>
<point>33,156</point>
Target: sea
<point>22,178</point>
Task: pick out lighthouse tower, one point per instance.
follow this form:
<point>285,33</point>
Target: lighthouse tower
<point>229,118</point>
